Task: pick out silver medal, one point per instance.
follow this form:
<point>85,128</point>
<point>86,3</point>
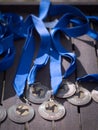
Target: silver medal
<point>51,110</point>
<point>20,113</point>
<point>81,97</point>
<point>2,113</point>
<point>67,89</point>
<point>38,93</point>
<point>94,94</point>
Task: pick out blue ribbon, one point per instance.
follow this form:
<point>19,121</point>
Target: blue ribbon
<point>77,17</point>
<point>7,52</point>
<point>50,46</point>
<point>27,55</point>
<point>55,65</point>
<point>55,70</point>
<point>43,55</point>
<point>56,53</point>
<point>89,78</point>
<point>44,8</point>
<point>9,25</point>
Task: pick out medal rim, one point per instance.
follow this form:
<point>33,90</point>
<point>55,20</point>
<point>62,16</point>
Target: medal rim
<point>93,94</point>
<point>66,95</point>
<point>45,116</point>
<point>4,113</point>
<point>80,102</point>
<point>13,116</point>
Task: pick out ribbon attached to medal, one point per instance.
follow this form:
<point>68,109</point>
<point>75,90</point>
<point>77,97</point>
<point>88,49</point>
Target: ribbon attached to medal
<point>50,47</point>
<point>82,95</point>
<point>36,92</point>
<point>23,112</point>
<point>7,48</point>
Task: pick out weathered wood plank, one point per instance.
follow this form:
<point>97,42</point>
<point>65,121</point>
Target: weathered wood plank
<point>87,64</point>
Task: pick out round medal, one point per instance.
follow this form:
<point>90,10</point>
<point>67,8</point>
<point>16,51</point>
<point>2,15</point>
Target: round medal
<point>20,113</point>
<point>38,93</point>
<point>67,89</point>
<point>94,94</point>
<point>2,113</point>
<point>51,110</point>
<point>81,97</point>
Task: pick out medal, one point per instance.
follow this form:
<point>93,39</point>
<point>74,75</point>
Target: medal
<point>81,97</point>
<point>37,93</point>
<point>51,110</point>
<point>66,89</point>
<point>3,113</point>
<point>94,94</point>
<point>20,113</point>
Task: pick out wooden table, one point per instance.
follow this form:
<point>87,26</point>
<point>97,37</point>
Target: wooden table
<point>86,49</point>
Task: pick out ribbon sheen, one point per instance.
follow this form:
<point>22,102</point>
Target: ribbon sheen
<point>27,55</point>
<point>89,77</point>
<point>43,55</point>
<point>77,17</point>
<point>50,45</point>
<point>9,25</point>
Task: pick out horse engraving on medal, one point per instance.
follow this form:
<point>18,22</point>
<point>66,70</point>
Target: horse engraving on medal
<point>51,110</point>
<point>20,113</point>
<point>51,107</point>
<point>37,93</point>
<point>81,97</point>
<point>66,90</point>
<point>22,110</point>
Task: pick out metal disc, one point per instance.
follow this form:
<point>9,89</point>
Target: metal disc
<point>67,89</point>
<point>3,113</point>
<point>37,93</point>
<point>51,110</point>
<point>20,113</point>
<point>80,98</point>
<point>94,94</point>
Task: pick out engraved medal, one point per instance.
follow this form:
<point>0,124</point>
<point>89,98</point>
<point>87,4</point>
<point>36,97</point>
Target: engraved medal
<point>81,97</point>
<point>51,110</point>
<point>37,93</point>
<point>67,89</point>
<point>20,113</point>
